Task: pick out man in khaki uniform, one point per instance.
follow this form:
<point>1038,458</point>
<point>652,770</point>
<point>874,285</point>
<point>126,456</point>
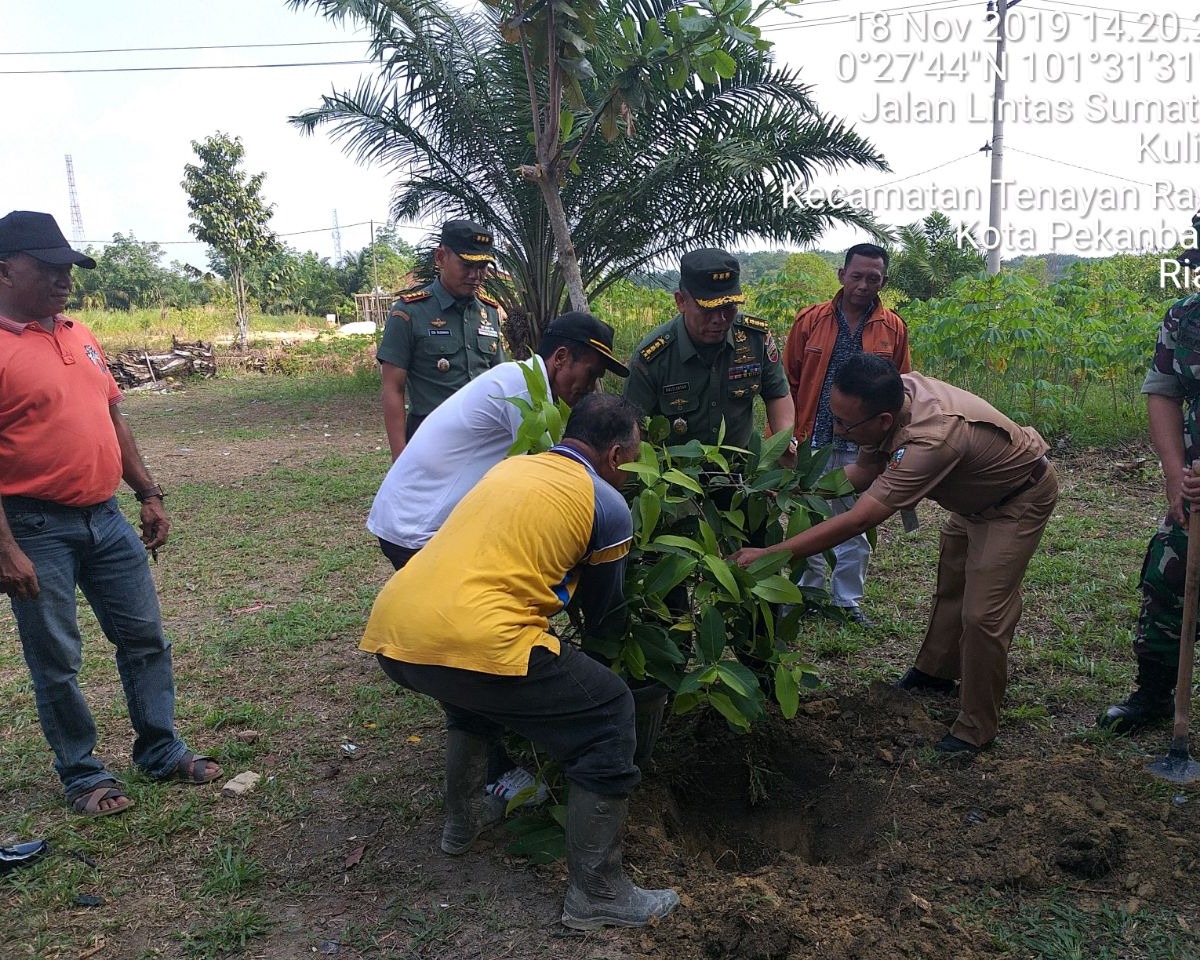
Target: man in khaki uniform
<point>918,438</point>
<point>711,361</point>
<point>440,337</point>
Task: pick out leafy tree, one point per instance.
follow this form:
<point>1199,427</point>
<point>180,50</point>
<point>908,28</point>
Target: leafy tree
<point>804,278</point>
<point>130,274</point>
<point>930,259</point>
<point>230,215</point>
<point>696,162</point>
<point>386,263</point>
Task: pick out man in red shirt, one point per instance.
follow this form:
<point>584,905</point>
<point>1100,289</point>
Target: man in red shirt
<point>824,336</point>
<point>64,449</point>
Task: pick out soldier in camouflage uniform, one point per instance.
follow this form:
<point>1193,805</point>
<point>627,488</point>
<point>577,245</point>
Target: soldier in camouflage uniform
<point>1172,389</point>
<point>711,361</point>
<point>439,337</point>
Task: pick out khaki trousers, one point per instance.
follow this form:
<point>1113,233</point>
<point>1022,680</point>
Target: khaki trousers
<point>978,602</point>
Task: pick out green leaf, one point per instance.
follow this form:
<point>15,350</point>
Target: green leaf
<point>724,574</point>
<point>544,845</point>
<point>649,510</point>
<point>669,572</point>
<point>778,589</point>
<point>724,64</point>
<point>683,543</point>
<point>787,691</point>
<point>697,678</point>
<point>738,677</point>
<point>710,636</point>
<point>566,123</point>
<point>724,706</point>
<point>834,484</point>
<point>681,479</point>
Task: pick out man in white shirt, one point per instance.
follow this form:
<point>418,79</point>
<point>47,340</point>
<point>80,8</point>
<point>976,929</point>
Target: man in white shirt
<point>472,431</point>
<point>468,434</point>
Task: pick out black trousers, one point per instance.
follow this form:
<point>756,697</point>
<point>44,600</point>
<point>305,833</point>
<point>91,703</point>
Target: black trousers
<point>577,710</point>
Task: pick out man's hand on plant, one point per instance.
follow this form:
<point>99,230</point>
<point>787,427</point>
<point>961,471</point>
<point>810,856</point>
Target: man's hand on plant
<point>747,555</point>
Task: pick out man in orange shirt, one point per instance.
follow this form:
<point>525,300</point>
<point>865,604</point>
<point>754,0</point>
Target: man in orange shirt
<point>64,448</point>
<point>823,337</point>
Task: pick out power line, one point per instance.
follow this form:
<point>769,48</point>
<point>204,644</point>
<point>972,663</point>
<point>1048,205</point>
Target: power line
<point>210,46</point>
<point>1076,166</point>
<point>221,66</point>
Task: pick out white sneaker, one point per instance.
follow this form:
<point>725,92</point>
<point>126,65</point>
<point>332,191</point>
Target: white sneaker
<point>513,782</point>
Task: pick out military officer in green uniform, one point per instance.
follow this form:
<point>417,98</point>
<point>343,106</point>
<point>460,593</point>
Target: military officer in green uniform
<point>439,337</point>
<point>711,361</point>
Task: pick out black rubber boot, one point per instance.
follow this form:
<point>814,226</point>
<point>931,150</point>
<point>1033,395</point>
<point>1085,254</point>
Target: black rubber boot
<point>1152,701</point>
<point>469,811</point>
<point>649,705</point>
<point>598,892</point>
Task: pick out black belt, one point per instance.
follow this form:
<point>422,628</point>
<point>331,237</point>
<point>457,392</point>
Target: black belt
<point>1036,474</point>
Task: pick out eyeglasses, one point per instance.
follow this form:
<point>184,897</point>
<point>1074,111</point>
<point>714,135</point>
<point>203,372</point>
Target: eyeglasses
<point>847,427</point>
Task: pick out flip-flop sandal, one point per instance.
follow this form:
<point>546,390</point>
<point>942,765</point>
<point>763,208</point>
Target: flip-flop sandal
<point>195,768</point>
<point>87,804</point>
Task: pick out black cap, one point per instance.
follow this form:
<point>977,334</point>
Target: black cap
<point>589,330</point>
<point>36,234</point>
<point>711,277</point>
<point>469,240</point>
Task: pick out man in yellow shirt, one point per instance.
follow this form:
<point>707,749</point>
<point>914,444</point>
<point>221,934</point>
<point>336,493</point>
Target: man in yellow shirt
<point>467,621</point>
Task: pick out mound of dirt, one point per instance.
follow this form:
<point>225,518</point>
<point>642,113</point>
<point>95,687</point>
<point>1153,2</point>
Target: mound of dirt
<point>841,834</point>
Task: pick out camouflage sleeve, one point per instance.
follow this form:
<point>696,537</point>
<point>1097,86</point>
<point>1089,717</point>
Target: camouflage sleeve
<point>774,380</point>
<point>395,347</point>
<point>1161,379</point>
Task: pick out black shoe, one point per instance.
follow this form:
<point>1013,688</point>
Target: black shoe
<point>22,855</point>
<point>952,746</point>
<point>920,680</point>
<point>855,615</point>
<point>1151,702</point>
<point>1136,711</point>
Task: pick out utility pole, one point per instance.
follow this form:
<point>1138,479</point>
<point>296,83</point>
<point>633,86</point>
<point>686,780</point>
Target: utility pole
<point>1000,68</point>
<point>76,216</point>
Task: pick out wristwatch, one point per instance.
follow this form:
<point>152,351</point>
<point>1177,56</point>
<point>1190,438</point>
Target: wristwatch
<point>149,493</point>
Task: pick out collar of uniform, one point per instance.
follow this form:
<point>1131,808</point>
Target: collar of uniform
<point>444,298</point>
<point>687,347</point>
<point>12,326</point>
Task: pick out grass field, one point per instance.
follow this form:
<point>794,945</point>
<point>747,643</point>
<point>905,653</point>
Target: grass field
<point>265,588</point>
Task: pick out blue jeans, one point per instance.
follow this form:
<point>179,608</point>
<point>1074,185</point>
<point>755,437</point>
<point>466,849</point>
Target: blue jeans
<point>96,549</point>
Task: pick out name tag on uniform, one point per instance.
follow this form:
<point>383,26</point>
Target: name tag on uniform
<point>676,388</point>
<point>745,371</point>
<point>489,332</point>
<point>439,333</point>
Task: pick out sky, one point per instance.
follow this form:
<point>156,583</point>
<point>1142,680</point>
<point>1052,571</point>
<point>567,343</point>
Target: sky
<point>1102,140</point>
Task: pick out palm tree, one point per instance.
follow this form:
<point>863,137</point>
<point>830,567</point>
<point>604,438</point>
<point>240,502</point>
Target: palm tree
<point>707,165</point>
<point>930,259</point>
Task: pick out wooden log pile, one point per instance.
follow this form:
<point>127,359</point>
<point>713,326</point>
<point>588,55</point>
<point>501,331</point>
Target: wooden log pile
<point>141,368</point>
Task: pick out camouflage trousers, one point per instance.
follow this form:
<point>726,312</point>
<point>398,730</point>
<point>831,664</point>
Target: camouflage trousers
<point>1161,618</point>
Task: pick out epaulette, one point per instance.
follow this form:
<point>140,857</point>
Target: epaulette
<point>656,346</point>
<point>754,323</point>
<point>416,296</point>
<point>484,298</point>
